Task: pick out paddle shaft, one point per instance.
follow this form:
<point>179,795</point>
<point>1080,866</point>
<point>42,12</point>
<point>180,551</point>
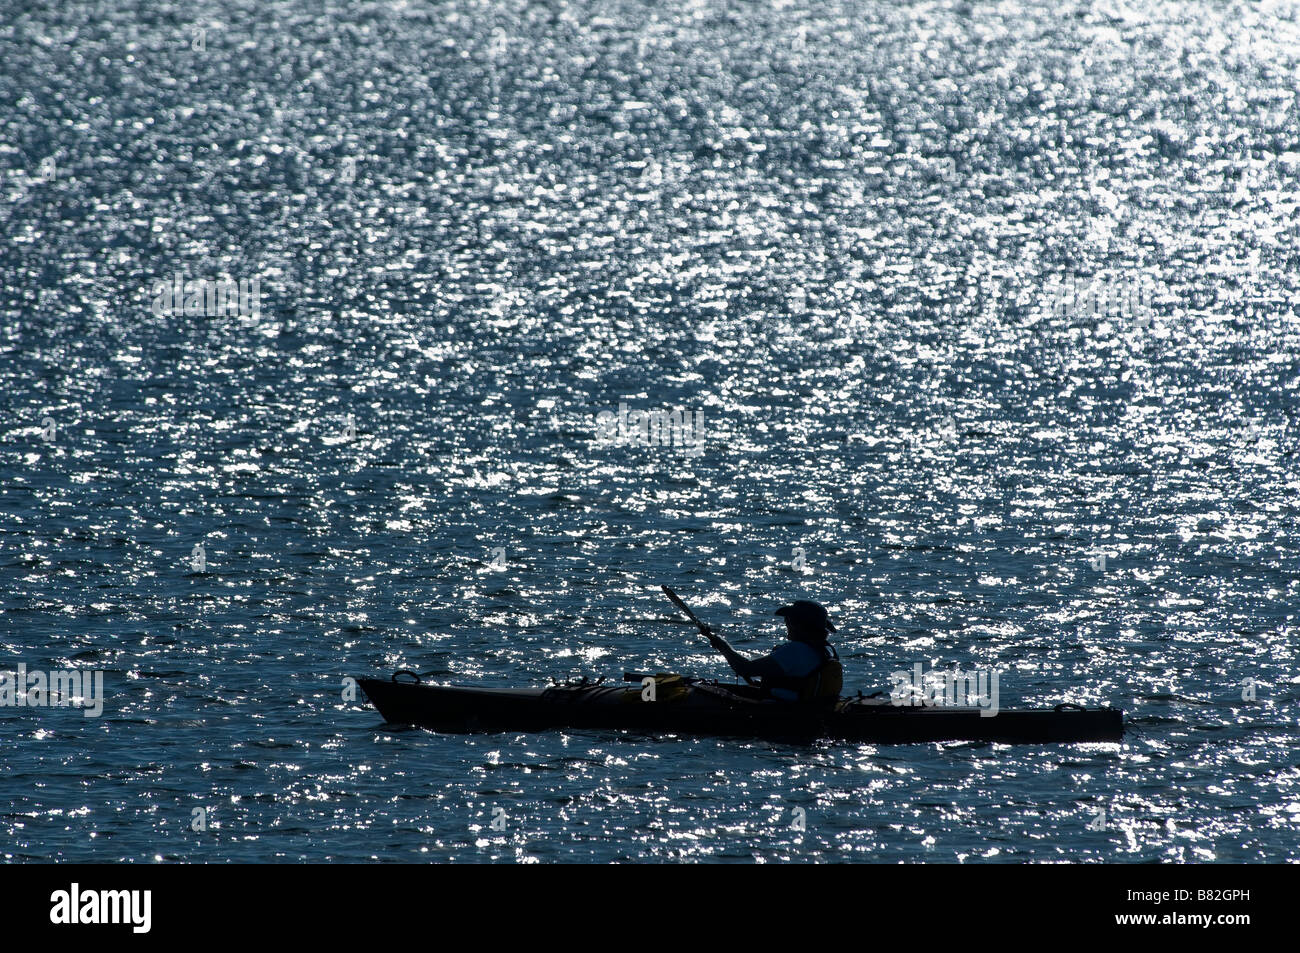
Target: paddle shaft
<point>704,629</point>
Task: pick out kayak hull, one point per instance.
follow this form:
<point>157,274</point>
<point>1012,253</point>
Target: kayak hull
<point>714,710</point>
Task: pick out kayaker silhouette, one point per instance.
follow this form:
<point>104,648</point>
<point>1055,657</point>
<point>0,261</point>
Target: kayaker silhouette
<point>806,668</point>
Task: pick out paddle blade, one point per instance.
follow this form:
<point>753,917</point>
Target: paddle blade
<point>677,601</point>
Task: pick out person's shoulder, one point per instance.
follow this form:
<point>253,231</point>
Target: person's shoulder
<point>797,654</point>
<point>818,653</point>
<point>789,650</point>
<point>804,649</point>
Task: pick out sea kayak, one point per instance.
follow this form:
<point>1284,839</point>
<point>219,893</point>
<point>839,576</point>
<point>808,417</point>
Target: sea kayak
<point>697,707</point>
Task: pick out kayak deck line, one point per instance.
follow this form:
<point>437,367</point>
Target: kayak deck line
<point>725,710</point>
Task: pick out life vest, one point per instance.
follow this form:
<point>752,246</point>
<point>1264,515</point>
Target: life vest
<point>821,684</point>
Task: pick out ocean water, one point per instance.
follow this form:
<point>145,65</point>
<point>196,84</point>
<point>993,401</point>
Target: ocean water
<point>985,315</point>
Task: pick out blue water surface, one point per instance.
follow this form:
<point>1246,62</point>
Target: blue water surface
<point>834,233</point>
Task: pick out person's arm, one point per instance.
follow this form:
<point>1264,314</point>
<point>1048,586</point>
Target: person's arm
<point>746,668</point>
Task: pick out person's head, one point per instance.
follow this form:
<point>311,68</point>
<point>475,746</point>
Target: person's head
<point>806,622</point>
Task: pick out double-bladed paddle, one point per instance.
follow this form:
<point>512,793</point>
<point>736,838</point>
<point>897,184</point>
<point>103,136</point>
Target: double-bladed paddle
<point>705,631</point>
